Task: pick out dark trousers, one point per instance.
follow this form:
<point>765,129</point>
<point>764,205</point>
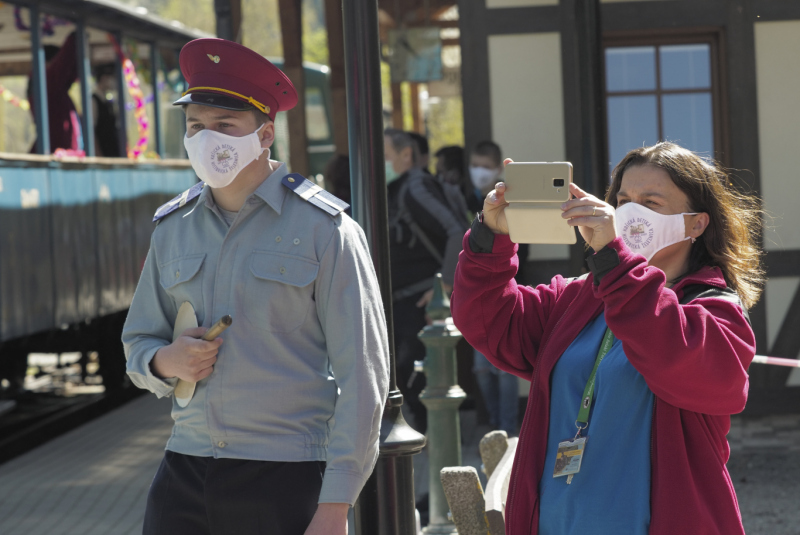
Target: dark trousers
<point>202,495</point>
<point>409,319</point>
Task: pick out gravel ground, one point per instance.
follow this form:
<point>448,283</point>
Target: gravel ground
<point>768,487</point>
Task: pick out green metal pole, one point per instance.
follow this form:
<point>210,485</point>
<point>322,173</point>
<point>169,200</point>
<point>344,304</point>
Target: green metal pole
<point>442,397</point>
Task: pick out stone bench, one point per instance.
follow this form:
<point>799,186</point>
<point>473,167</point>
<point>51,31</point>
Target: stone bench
<point>473,512</point>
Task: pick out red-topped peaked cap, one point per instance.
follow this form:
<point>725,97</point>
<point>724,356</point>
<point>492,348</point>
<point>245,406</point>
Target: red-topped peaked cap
<point>227,75</point>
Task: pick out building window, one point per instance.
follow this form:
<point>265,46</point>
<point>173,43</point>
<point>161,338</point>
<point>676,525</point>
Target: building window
<point>662,91</point>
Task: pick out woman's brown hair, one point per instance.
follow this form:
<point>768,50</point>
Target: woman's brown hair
<point>731,240</point>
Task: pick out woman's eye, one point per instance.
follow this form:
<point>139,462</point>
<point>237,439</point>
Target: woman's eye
<point>621,202</point>
<point>197,127</point>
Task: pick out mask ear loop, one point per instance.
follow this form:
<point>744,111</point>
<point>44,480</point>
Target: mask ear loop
<point>269,152</point>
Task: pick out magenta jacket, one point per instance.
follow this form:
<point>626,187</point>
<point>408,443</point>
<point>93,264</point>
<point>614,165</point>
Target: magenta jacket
<point>694,358</point>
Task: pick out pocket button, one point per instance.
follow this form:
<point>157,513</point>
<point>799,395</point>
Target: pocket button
<point>283,270</point>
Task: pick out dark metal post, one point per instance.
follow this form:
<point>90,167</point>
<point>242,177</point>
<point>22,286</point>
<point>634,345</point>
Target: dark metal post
<point>591,163</point>
<point>84,74</point>
<point>589,41</point>
<point>122,89</point>
<point>39,79</point>
<point>158,127</point>
<point>386,505</point>
<point>222,9</point>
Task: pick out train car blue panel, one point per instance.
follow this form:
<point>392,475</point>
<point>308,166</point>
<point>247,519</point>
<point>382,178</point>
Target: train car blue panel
<point>73,207</point>
<point>26,275</point>
<point>115,239</point>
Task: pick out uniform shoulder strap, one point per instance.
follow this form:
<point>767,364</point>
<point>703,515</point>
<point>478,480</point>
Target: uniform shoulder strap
<point>695,291</point>
<point>178,202</point>
<point>314,194</point>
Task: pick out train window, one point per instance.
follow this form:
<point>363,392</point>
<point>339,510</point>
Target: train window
<point>138,98</point>
<point>17,105</point>
<point>105,64</point>
<point>316,117</point>
<point>170,85</point>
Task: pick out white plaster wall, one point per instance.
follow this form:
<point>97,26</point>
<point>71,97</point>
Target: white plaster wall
<point>778,86</point>
<point>527,104</point>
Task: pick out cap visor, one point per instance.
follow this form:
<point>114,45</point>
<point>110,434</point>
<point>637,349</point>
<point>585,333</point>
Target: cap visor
<point>214,100</point>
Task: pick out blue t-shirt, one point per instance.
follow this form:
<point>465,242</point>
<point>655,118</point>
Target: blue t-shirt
<point>611,493</point>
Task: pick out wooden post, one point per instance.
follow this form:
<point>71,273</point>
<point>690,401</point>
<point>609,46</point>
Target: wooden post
<point>292,37</point>
<point>416,113</point>
<point>333,20</point>
<point>229,19</point>
<point>397,106</point>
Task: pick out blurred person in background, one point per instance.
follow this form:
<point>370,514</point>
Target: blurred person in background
<point>424,239</point>
<point>424,151</point>
<point>500,390</point>
<point>106,127</point>
<point>451,177</point>
<point>61,67</point>
<point>337,178</point>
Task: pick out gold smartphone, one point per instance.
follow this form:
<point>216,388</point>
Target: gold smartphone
<point>535,192</point>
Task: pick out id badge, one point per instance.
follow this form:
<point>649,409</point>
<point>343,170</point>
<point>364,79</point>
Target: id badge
<point>569,457</point>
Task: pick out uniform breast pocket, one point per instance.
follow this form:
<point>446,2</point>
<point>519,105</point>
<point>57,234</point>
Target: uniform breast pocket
<point>279,292</point>
<point>182,279</point>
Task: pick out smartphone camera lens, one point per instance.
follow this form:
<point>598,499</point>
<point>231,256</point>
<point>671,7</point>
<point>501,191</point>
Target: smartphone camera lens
<point>558,182</point>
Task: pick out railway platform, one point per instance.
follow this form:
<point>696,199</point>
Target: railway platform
<point>94,479</point>
<point>90,481</point>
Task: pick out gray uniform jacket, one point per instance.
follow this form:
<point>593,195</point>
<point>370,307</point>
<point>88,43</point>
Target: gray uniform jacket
<point>302,374</point>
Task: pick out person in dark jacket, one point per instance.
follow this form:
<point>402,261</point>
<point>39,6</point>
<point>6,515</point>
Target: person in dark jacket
<point>106,127</point>
<point>636,367</point>
<point>61,73</point>
<point>424,239</point>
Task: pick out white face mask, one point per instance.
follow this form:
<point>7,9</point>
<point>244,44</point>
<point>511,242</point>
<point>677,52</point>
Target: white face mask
<point>647,232</point>
<point>482,178</point>
<point>391,174</point>
<point>217,158</point>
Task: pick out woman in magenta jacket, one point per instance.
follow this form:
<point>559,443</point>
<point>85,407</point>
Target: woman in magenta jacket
<point>663,311</point>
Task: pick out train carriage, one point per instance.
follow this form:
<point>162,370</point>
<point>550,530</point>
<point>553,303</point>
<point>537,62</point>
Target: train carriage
<point>74,225</point>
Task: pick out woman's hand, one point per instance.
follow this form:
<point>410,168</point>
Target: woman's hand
<point>494,207</point>
<point>593,217</point>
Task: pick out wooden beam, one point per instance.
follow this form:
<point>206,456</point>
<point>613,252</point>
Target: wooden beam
<point>416,112</point>
<point>397,106</point>
<point>333,21</point>
<point>292,37</point>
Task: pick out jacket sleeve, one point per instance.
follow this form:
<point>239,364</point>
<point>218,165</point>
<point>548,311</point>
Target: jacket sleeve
<point>350,310</point>
<point>498,317</point>
<point>425,206</point>
<point>693,356</point>
<point>63,70</point>
<point>148,328</point>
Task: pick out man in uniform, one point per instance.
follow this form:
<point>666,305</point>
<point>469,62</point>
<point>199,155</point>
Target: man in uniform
<point>282,431</point>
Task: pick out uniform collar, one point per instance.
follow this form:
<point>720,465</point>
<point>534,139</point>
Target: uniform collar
<point>271,191</point>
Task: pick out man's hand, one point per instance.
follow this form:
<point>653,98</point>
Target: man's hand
<point>593,217</point>
<point>330,519</point>
<point>188,357</point>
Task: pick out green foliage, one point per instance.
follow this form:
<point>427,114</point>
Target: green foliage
<point>261,27</point>
<point>445,123</point>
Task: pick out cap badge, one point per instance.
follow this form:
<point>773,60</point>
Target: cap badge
<point>215,59</point>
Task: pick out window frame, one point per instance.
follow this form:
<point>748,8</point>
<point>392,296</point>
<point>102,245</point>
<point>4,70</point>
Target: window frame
<point>712,36</point>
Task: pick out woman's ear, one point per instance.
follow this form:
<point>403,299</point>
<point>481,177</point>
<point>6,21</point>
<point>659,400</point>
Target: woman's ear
<point>267,134</point>
<point>699,225</point>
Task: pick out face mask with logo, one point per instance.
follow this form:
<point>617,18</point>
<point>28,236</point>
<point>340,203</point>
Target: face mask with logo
<point>217,158</point>
<point>391,175</point>
<point>647,232</point>
<point>482,178</point>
